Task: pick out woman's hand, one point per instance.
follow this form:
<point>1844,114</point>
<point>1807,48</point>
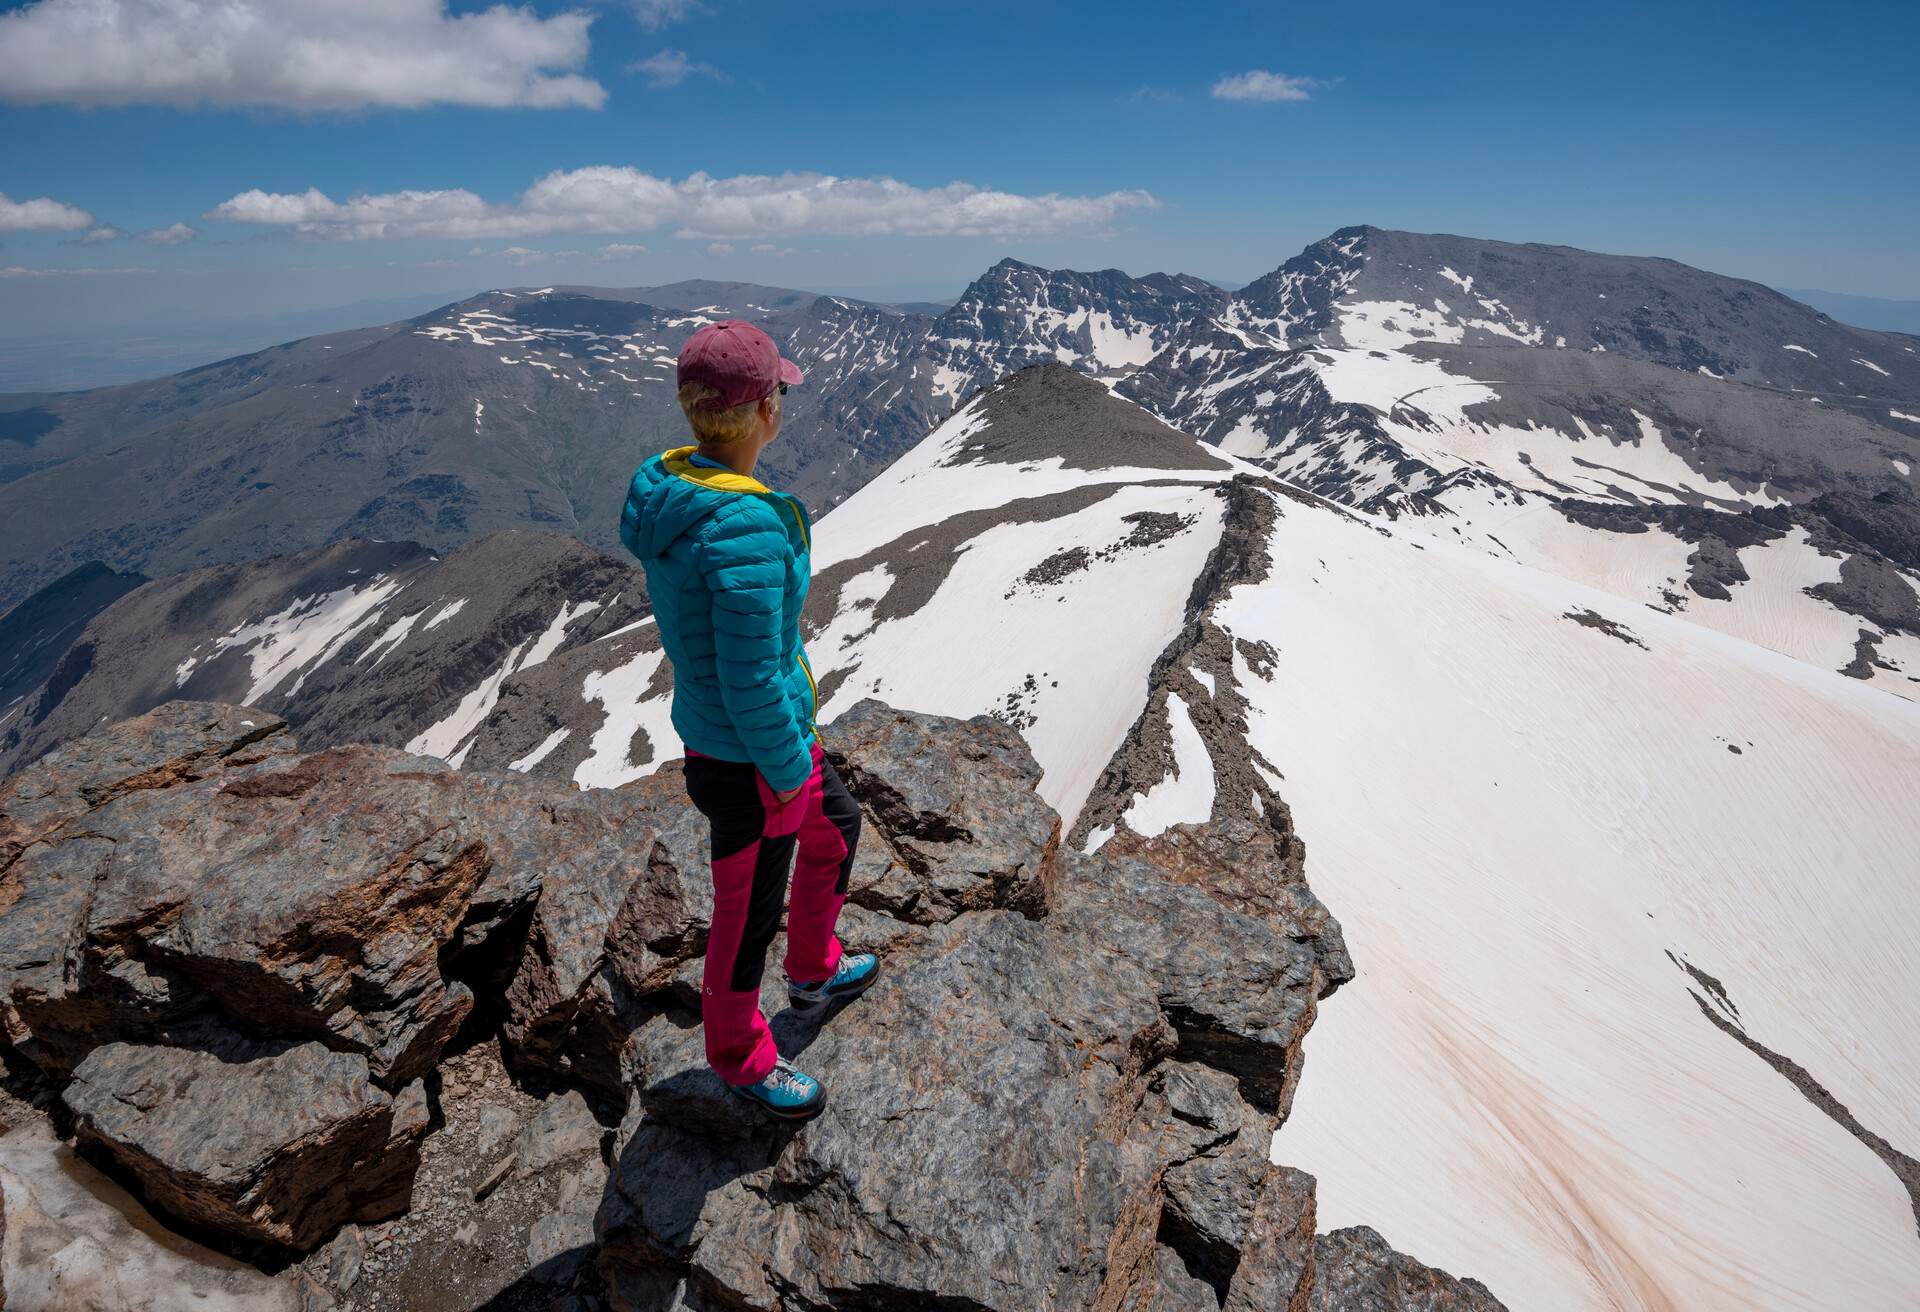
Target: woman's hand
<point>789,794</point>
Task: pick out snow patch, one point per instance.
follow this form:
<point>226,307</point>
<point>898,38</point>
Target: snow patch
<point>1186,795</point>
<point>542,752</point>
<point>621,693</point>
<point>305,634</point>
<point>445,613</point>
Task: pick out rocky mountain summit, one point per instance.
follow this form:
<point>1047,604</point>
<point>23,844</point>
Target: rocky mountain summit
<point>259,986</point>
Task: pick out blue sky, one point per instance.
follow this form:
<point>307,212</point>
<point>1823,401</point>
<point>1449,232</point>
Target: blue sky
<point>1771,141</point>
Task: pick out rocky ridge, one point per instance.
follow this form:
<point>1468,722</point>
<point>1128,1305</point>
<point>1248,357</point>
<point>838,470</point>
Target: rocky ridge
<point>261,985</point>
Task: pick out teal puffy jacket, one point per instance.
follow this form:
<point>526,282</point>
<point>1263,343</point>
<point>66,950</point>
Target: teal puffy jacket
<point>728,564</point>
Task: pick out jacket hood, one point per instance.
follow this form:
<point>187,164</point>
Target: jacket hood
<point>671,495</point>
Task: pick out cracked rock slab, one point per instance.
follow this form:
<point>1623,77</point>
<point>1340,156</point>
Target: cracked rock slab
<point>277,1145</point>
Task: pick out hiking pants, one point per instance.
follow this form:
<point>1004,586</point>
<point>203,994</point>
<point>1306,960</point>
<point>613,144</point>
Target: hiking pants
<point>754,837</point>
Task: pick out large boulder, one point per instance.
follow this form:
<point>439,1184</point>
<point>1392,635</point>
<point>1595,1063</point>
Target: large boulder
<point>953,822</point>
<point>299,895</point>
<point>272,1143</point>
<point>620,907</point>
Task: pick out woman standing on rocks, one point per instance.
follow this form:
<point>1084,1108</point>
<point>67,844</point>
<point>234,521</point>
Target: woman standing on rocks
<point>728,564</point>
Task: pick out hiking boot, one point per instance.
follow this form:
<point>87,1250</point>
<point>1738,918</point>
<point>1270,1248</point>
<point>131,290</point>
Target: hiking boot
<point>857,971</point>
<point>785,1092</point>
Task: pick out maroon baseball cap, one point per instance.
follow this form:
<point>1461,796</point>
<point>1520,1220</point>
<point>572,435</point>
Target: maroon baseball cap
<point>738,361</point>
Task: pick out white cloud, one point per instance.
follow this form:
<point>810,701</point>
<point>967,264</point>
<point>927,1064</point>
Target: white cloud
<point>656,14</point>
<point>173,235</point>
<point>1158,95</point>
<point>670,68</point>
<point>619,250</point>
<point>310,55</point>
<point>41,215</point>
<point>719,248</point>
<point>99,236</point>
<point>617,200</point>
<point>17,272</point>
<point>761,247</point>
<point>523,256</point>
<point>1259,84</point>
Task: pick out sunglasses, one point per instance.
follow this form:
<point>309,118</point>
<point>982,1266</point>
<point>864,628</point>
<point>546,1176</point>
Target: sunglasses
<point>782,387</point>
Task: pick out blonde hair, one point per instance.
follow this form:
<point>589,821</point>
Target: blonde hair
<point>715,425</point>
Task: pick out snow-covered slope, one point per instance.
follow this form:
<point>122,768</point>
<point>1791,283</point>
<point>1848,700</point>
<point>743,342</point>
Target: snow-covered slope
<point>1630,898</point>
<point>1573,842</point>
<point>360,641</point>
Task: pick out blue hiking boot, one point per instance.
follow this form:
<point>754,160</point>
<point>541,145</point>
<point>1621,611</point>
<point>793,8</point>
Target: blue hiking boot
<point>785,1092</point>
<point>857,971</point>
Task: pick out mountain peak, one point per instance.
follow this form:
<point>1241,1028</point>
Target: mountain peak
<point>1051,411</point>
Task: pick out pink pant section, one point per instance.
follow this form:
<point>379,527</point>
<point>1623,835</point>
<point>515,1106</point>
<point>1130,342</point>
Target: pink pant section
<point>821,824</point>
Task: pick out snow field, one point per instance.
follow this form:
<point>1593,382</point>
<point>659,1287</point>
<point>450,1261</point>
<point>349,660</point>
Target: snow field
<point>1097,632</point>
<point>1515,818</point>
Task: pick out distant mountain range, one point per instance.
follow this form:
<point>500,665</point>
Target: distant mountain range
<point>1887,316</point>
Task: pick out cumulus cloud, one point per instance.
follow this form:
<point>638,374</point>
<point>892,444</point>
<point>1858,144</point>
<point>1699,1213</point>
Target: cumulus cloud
<point>656,14</point>
<point>610,199</point>
<point>619,250</point>
<point>719,248</point>
<point>1259,84</point>
<point>670,68</point>
<point>41,215</point>
<point>99,236</point>
<point>336,55</point>
<point>173,234</point>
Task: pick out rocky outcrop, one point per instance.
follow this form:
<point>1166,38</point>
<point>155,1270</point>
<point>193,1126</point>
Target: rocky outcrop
<point>1062,1097</point>
<point>244,964</point>
<point>279,1146</point>
<point>1356,1271</point>
<point>188,904</point>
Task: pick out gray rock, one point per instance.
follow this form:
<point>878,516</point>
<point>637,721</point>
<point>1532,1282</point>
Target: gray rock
<point>220,879</point>
<point>1277,1258</point>
<point>623,900</point>
<point>1170,1287</point>
<point>272,1144</point>
<point>1356,1271</point>
<point>559,1241</point>
<point>1218,1148</point>
<point>345,1257</point>
<point>173,744</point>
<point>953,827</point>
<point>562,1130</point>
<point>496,1125</point>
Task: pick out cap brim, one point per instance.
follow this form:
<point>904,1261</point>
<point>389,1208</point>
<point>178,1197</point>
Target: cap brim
<point>790,373</point>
